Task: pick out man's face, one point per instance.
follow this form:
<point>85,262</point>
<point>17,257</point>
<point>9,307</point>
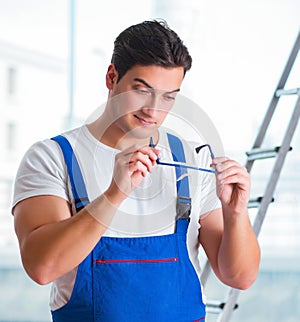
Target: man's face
<point>140,101</point>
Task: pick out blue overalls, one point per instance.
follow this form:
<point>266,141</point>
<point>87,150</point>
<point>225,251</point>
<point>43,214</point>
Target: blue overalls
<point>149,279</point>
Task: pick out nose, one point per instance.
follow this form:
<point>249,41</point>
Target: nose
<point>150,108</point>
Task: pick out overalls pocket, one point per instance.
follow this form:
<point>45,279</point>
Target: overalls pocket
<point>144,287</point>
<point>145,279</point>
<point>140,285</point>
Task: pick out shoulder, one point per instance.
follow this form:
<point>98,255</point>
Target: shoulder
<point>41,152</point>
<point>42,171</point>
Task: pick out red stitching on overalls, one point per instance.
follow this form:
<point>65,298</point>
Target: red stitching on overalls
<point>201,319</point>
<point>163,260</point>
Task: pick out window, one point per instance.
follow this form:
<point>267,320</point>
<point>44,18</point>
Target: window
<point>11,81</point>
<point>10,136</point>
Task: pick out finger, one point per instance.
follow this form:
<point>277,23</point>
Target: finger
<point>124,156</point>
<point>143,148</point>
<point>217,160</point>
<point>232,169</point>
<point>146,155</point>
<point>129,154</point>
<point>241,180</point>
<point>143,158</point>
<point>152,153</point>
<point>238,173</point>
<point>138,167</point>
<point>217,163</point>
<point>225,164</point>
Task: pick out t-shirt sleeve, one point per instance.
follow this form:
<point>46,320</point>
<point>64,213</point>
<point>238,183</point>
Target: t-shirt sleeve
<point>209,200</point>
<point>42,171</point>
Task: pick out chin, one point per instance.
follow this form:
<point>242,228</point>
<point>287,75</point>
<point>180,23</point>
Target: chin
<point>143,132</point>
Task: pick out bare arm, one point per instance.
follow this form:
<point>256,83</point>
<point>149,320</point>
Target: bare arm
<point>226,235</point>
<point>52,242</point>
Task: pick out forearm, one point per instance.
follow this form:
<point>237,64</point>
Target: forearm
<point>54,249</point>
<point>239,254</point>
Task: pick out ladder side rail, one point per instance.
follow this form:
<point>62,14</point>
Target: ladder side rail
<point>234,293</point>
<point>289,64</point>
<point>205,273</point>
<point>263,129</point>
<point>274,101</point>
<point>270,188</point>
<point>230,304</point>
<point>282,81</point>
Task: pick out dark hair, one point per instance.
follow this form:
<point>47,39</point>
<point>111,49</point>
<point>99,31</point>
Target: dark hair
<point>149,43</point>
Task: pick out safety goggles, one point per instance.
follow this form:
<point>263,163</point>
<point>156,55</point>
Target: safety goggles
<point>184,165</point>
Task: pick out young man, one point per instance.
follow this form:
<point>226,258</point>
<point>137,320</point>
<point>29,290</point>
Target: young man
<point>111,241</point>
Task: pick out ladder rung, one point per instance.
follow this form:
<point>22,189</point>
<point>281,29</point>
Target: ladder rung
<point>258,153</point>
<point>293,91</point>
<point>217,306</point>
<point>255,202</point>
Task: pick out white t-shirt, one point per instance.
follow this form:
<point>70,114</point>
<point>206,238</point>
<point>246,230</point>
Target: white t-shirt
<point>150,209</point>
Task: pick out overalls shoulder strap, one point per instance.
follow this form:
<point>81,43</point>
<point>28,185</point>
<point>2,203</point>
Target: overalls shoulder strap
<point>182,179</point>
<point>76,179</point>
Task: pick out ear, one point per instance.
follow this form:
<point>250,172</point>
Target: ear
<point>111,76</point>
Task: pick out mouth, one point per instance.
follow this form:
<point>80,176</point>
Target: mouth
<point>144,122</point>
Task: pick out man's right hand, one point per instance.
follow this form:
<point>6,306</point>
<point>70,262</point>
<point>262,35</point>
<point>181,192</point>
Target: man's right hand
<point>131,166</point>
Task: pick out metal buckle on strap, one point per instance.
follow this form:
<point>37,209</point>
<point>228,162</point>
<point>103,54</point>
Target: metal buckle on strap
<point>81,201</point>
<point>183,207</point>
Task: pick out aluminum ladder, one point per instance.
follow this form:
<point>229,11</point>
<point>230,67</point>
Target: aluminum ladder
<point>225,309</point>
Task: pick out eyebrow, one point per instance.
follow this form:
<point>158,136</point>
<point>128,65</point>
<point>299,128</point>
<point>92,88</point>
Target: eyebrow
<point>140,80</point>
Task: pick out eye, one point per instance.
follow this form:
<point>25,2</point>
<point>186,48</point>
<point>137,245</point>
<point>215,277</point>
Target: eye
<point>142,91</point>
<point>169,98</point>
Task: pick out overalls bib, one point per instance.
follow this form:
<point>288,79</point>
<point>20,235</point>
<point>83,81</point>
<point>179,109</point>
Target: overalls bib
<point>139,279</point>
